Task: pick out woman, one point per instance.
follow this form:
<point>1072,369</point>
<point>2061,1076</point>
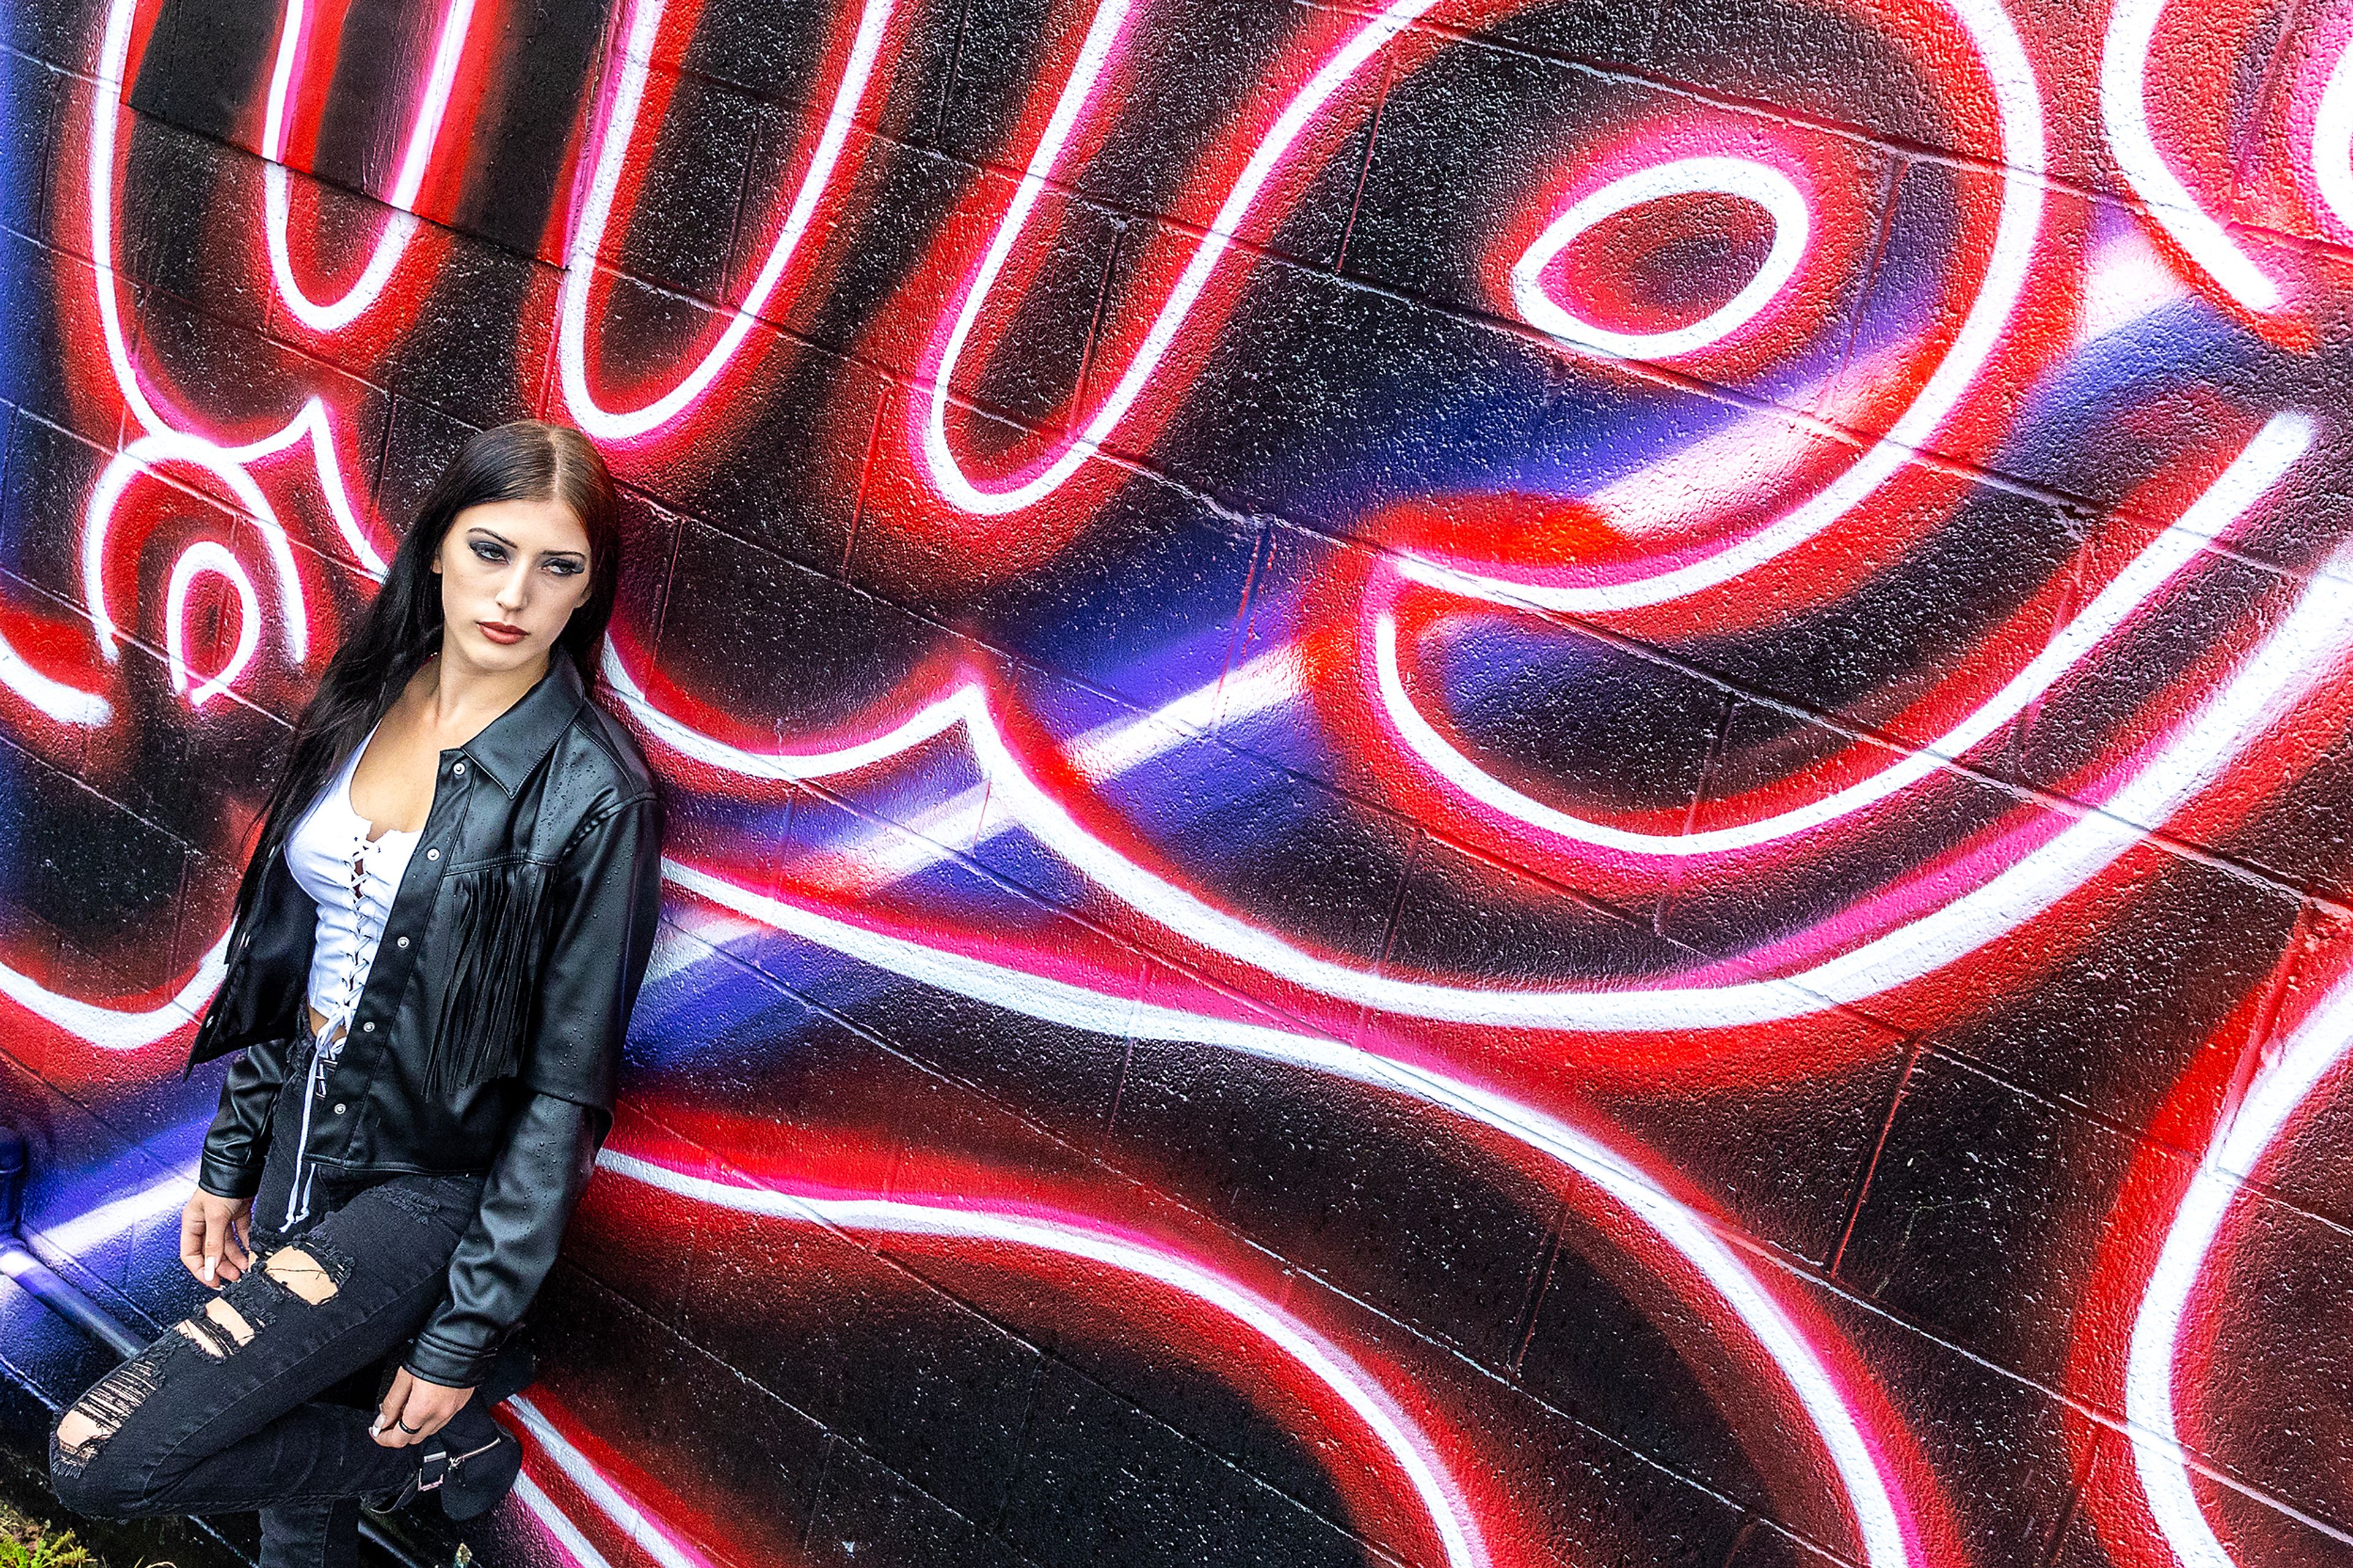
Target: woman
<point>433,956</point>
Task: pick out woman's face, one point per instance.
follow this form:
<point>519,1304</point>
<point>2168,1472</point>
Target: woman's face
<point>511,574</point>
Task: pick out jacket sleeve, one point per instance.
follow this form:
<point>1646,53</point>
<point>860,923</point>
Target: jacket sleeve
<point>506,1252</point>
<point>610,899</point>
<point>238,1139</point>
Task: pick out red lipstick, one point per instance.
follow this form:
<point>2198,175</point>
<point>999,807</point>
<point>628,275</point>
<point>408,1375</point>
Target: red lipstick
<point>500,631</point>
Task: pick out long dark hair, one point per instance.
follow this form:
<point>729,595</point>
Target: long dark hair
<point>526,460</point>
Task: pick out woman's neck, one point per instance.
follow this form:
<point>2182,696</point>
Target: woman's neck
<point>456,701</point>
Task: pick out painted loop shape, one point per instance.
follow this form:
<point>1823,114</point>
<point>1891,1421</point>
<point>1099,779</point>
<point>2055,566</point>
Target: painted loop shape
<point>208,555</point>
<point>1745,178</point>
<point>424,134</point>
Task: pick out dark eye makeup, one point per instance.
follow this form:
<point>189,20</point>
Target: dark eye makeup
<point>493,549</point>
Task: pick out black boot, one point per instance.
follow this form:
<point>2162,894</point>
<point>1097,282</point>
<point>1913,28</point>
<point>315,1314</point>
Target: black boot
<point>477,1463</point>
<point>461,1440</point>
<point>471,1461</point>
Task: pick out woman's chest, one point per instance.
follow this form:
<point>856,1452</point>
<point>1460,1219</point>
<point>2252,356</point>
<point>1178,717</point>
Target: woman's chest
<point>396,775</point>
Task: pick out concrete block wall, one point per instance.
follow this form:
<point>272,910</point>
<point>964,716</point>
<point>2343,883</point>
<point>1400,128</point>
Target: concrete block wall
<point>1465,783</point>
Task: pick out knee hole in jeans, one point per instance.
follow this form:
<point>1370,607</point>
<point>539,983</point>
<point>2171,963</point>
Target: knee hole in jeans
<point>310,1271</point>
<point>107,1404</point>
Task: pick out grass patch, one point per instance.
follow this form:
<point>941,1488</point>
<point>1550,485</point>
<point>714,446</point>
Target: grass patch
<point>29,1543</point>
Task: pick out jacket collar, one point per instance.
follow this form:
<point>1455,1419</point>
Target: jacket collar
<point>512,744</point>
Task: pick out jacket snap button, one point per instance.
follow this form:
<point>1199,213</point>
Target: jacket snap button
<point>369,1026</point>
<point>433,854</point>
<point>400,942</point>
<point>339,1108</point>
<point>458,768</point>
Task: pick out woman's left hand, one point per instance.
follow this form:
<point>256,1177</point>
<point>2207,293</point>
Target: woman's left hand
<point>423,1406</point>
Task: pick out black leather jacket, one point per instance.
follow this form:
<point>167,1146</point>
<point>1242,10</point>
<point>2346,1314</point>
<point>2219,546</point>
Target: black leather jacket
<point>488,1034</point>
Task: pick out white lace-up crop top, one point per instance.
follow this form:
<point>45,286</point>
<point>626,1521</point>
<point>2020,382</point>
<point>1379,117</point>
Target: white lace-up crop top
<point>352,881</point>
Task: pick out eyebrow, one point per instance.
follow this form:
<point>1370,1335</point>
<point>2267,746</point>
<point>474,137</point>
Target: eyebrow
<point>502,539</point>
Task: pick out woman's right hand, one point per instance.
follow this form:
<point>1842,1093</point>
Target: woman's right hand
<point>215,1236</point>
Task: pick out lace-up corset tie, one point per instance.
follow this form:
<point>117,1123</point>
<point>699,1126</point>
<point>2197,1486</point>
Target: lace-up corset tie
<point>352,878</point>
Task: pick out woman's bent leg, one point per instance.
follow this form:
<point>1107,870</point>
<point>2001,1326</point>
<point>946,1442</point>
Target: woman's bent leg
<point>218,1414</point>
<point>311,1534</point>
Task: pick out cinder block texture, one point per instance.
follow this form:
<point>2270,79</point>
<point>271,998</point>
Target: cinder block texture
<point>1471,783</point>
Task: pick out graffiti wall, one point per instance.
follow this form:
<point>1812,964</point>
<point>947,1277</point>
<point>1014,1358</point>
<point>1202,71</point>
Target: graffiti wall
<point>1458,782</point>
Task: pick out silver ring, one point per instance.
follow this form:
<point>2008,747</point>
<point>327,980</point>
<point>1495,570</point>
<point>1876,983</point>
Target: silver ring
<point>405,1427</point>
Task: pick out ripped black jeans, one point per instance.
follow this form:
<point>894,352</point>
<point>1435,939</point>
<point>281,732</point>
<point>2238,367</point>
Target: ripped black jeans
<point>223,1412</point>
